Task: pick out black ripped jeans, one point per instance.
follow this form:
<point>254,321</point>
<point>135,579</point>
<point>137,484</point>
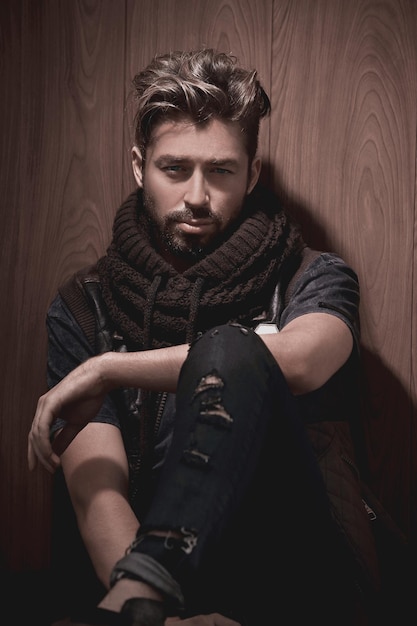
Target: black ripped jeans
<point>240,489</point>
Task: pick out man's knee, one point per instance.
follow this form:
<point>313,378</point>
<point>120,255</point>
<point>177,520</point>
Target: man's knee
<point>231,358</point>
<point>229,342</point>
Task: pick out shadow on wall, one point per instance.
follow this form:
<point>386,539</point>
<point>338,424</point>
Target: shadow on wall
<point>387,418</point>
<point>387,411</point>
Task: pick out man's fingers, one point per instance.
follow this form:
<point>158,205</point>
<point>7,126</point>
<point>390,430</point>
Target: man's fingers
<point>64,438</point>
<point>50,462</point>
<point>212,619</point>
<point>39,445</point>
<point>31,457</point>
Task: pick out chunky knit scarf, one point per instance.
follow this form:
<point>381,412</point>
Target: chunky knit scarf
<point>152,305</point>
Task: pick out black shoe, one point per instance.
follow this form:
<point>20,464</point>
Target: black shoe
<point>143,612</point>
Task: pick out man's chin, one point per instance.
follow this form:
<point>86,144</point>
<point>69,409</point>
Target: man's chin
<point>190,249</point>
<point>186,248</point>
<point>187,254</point>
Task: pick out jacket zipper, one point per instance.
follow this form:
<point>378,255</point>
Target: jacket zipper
<point>162,400</point>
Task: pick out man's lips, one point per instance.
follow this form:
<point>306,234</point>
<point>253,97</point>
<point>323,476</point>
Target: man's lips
<point>195,225</point>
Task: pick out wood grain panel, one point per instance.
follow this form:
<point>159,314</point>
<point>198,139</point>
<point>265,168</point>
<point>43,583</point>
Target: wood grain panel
<point>341,142</point>
<point>70,147</point>
<point>240,27</point>
<point>10,55</point>
<point>413,368</point>
<point>344,93</point>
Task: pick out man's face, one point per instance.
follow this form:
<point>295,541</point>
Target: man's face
<point>195,180</point>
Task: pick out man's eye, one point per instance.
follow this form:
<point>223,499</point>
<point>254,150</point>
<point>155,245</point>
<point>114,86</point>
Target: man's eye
<point>221,170</point>
<point>173,168</point>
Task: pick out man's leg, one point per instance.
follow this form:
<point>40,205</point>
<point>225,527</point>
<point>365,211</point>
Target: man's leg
<point>231,394</point>
<point>241,479</point>
<point>224,401</point>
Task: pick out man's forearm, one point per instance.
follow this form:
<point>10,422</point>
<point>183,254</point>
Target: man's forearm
<point>107,526</point>
<point>96,472</point>
<point>156,370</point>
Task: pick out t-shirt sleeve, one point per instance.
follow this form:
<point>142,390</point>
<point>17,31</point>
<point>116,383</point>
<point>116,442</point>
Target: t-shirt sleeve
<point>328,285</point>
<point>68,347</point>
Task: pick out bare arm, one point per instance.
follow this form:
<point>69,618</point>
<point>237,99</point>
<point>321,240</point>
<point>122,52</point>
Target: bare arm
<point>310,349</point>
<point>96,474</point>
<point>77,398</point>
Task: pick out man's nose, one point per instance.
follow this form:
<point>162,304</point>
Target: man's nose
<point>196,193</point>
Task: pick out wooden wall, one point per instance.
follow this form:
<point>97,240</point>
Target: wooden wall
<point>340,149</point>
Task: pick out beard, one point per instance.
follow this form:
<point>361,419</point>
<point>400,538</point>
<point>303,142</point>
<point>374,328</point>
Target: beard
<point>167,234</point>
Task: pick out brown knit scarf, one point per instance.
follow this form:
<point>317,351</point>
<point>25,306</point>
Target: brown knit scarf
<point>153,305</point>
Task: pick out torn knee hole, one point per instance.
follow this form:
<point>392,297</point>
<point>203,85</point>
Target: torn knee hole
<point>183,539</point>
<point>196,458</point>
<point>210,381</point>
<point>213,412</point>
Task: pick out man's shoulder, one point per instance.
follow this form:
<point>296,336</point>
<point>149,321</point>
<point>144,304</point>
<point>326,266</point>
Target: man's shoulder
<point>312,261</point>
<point>299,265</point>
<point>77,281</point>
<point>323,283</point>
<point>81,295</point>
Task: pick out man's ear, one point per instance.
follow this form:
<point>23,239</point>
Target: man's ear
<point>137,165</point>
<point>255,170</point>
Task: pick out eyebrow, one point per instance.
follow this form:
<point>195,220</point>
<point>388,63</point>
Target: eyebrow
<point>171,158</point>
<point>230,162</point>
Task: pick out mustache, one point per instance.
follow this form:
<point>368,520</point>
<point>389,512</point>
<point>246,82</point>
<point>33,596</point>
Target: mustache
<point>186,213</point>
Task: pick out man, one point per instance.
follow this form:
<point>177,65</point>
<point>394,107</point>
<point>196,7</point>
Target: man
<point>223,348</point>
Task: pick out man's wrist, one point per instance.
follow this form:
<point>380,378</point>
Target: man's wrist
<point>106,370</point>
<point>125,589</point>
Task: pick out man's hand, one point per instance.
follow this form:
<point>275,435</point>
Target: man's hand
<point>213,619</point>
<point>77,398</point>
